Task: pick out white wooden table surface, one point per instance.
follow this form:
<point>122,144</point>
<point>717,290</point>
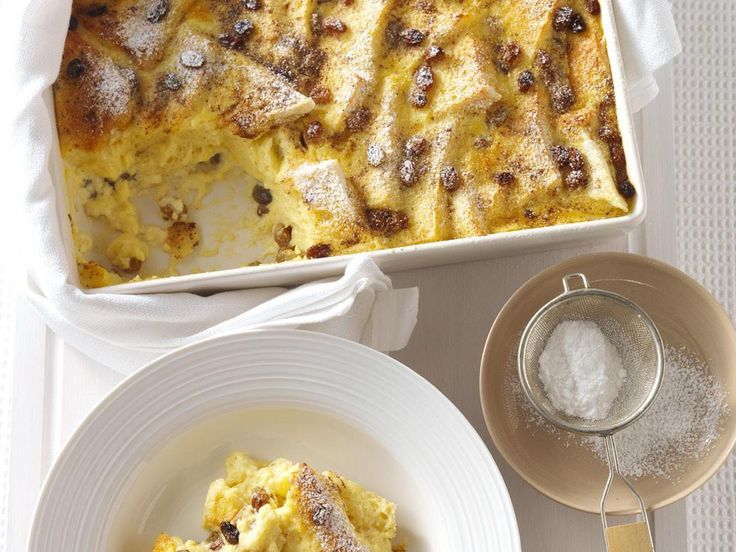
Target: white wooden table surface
<point>55,387</point>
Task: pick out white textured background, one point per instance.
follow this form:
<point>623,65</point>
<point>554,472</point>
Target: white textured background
<point>7,336</point>
<point>705,188</point>
<point>705,184</point>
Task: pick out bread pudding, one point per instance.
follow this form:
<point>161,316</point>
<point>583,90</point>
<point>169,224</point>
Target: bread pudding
<point>345,126</point>
<point>286,507</point>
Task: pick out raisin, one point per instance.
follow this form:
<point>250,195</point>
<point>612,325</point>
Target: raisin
<point>576,179</point>
<point>282,237</point>
<point>434,52</point>
<point>261,195</point>
<point>375,155</point>
<point>481,143</point>
<point>497,115</point>
<point>450,179</point>
<point>244,27</point>
<point>91,117</point>
<point>73,23</point>
<point>526,81</point>
<point>310,61</point>
<point>134,264</point>
<point>593,7</point>
<point>76,68</point>
<point>576,161</point>
<point>262,210</point>
<point>505,178</point>
<point>320,95</point>
<point>172,81</point>
<point>411,37</point>
<point>393,32</point>
<point>333,25</point>
<point>626,189</point>
<point>544,61</point>
<point>565,19</point>
<point>313,131</point>
<point>424,77</point>
<point>415,146</point>
<point>259,498</point>
<point>319,251</point>
<point>561,155</point>
<point>508,56</point>
<point>408,173</point>
<point>418,97</point>
<point>230,532</point>
<point>191,59</point>
<point>157,11</point>
<point>617,154</point>
<point>252,5</point>
<point>577,25</point>
<point>321,514</point>
<point>215,159</point>
<point>386,221</point>
<point>315,23</point>
<point>96,10</point>
<point>358,119</point>
<point>562,18</point>
<point>563,97</point>
<point>609,134</point>
<point>228,41</point>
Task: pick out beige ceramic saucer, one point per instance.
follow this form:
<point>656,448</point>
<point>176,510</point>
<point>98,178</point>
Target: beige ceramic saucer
<point>558,464</point>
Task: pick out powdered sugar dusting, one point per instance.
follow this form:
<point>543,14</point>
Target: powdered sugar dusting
<point>682,424</point>
<point>140,37</point>
<point>323,186</point>
<point>531,418</point>
<point>321,507</point>
<point>112,88</point>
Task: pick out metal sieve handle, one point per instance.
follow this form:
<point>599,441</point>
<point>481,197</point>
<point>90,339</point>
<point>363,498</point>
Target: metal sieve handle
<point>568,280</point>
<point>630,530</point>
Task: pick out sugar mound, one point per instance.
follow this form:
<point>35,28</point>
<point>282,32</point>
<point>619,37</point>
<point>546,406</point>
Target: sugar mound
<point>581,370</point>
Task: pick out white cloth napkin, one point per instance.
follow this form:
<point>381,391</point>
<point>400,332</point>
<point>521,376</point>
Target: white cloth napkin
<point>126,331</point>
<point>649,40</point>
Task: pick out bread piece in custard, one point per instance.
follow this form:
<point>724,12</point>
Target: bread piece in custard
<point>286,507</point>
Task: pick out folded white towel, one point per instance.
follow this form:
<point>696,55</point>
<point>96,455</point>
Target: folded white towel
<point>126,331</point>
<point>649,40</point>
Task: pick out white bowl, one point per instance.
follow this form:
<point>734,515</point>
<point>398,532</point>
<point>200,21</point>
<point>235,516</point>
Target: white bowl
<point>141,462</point>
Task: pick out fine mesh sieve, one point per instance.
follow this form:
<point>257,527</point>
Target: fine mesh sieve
<point>638,342</point>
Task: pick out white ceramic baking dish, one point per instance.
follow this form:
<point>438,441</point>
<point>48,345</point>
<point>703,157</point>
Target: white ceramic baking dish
<point>413,256</point>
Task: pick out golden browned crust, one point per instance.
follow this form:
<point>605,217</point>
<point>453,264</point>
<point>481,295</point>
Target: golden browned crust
<point>93,95</point>
<point>141,28</point>
<point>164,543</point>
<point>182,238</point>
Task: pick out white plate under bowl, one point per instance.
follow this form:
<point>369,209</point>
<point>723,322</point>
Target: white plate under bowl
<point>141,462</point>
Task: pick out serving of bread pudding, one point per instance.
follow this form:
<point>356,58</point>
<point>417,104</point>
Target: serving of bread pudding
<point>348,125</point>
<point>285,507</point>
